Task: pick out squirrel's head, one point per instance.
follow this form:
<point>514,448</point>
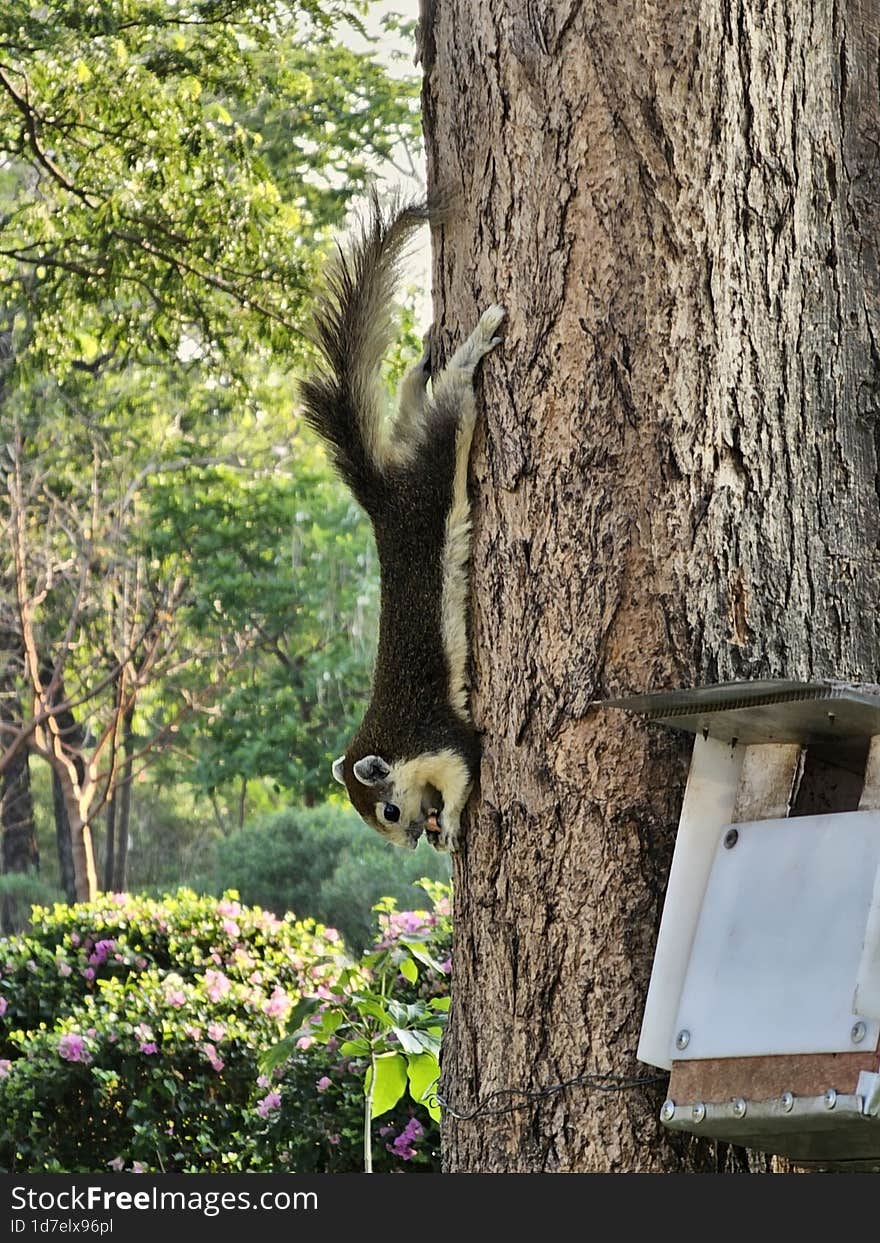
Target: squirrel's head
<point>385,796</point>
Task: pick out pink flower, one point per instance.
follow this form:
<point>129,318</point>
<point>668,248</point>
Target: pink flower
<point>194,1033</point>
<point>278,1004</point>
<point>217,984</point>
<point>89,973</point>
<point>211,1054</point>
<point>74,938</point>
<point>4,1005</point>
<point>138,1167</point>
<point>323,1083</point>
<point>231,928</point>
<point>118,899</point>
<point>216,1031</point>
<point>446,966</point>
<point>176,997</point>
<point>117,1164</point>
<point>305,1042</point>
<point>5,1067</point>
<point>72,1048</point>
<point>65,969</point>
<point>148,1046</point>
<point>333,1139</point>
<point>140,963</point>
<point>330,934</point>
<point>269,1103</point>
<point>263,1081</point>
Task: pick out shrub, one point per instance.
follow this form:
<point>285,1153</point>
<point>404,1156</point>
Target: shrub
<point>131,1031</point>
<point>324,863</point>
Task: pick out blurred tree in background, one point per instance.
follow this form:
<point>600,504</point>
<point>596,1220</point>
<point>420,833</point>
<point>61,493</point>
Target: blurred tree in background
<point>187,597</point>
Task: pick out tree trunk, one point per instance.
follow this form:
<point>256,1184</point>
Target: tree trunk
<point>110,842</point>
<point>20,850</point>
<point>123,794</point>
<point>63,839</point>
<point>675,482</point>
<point>72,829</point>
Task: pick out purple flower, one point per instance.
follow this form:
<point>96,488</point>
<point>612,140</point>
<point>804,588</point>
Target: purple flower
<point>333,1139</point>
<point>4,1005</point>
<point>101,952</point>
<point>323,1083</point>
<point>404,1145</point>
<point>446,966</point>
<point>117,1164</point>
<point>148,1046</point>
<point>269,1103</point>
<point>72,1048</point>
<point>89,973</point>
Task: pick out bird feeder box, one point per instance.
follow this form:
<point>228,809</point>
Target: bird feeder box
<point>764,1000</point>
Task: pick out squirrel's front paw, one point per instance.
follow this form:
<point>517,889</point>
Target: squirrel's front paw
<point>483,337</point>
<point>445,837</point>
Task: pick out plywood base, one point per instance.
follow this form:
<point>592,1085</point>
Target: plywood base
<point>762,1078</point>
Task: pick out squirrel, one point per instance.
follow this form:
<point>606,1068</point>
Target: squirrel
<point>410,767</point>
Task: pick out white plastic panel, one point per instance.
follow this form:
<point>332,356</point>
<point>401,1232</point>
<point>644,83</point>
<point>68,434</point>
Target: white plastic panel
<point>780,940</point>
<point>709,800</point>
<point>867,996</point>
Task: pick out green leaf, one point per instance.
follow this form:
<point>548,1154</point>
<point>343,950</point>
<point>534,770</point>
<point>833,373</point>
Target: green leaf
<point>354,1048</point>
<point>423,1071</point>
<point>390,1085</point>
<point>277,1054</point>
<point>409,1041</point>
<point>305,1007</point>
<point>409,970</point>
<point>440,1003</point>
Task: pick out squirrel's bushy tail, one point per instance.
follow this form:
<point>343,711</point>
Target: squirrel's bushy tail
<point>353,328</point>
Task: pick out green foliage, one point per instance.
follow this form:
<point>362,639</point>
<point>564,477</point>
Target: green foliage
<point>153,130</point>
<point>131,1029</point>
<point>169,175</point>
<point>386,1013</point>
<point>281,578</point>
<point>325,863</point>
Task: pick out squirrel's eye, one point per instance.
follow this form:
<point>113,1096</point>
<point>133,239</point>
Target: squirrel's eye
<point>391,813</point>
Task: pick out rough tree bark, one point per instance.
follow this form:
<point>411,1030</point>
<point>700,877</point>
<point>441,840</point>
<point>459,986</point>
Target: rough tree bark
<point>675,477</point>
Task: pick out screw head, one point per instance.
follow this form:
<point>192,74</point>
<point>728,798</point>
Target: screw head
<point>683,1039</point>
<point>667,1113</point>
<point>858,1033</point>
<point>698,1112</point>
<point>788,1101</point>
<point>739,1108</point>
<point>731,837</point>
<point>830,1098</point>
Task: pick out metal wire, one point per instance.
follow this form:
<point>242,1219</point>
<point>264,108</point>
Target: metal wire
<point>490,1109</point>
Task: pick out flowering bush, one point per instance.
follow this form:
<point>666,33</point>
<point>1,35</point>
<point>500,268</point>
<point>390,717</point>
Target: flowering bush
<point>130,1035</point>
<point>382,1023</point>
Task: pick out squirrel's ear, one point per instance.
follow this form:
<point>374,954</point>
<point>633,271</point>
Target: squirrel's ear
<point>337,770</point>
<point>371,770</point>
